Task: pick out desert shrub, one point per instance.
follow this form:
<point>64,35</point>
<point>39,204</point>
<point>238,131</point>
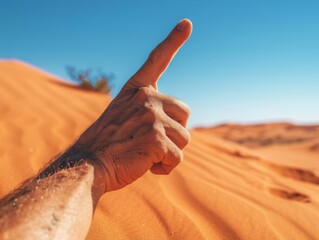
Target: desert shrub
<point>91,80</point>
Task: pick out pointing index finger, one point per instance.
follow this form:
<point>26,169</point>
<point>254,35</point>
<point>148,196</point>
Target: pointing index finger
<point>161,56</point>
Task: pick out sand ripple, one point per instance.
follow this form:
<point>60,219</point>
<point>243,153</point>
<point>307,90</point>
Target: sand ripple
<point>233,184</point>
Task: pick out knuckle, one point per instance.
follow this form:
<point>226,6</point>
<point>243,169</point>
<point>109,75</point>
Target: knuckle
<point>156,133</point>
<point>179,156</point>
<point>187,110</point>
<point>182,108</point>
<point>150,113</point>
<point>188,136</point>
<point>143,93</point>
<point>180,135</point>
<point>158,143</point>
<point>155,55</point>
<point>175,155</point>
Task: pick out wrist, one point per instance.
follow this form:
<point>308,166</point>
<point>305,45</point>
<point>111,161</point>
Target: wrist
<point>74,157</point>
<point>77,151</point>
<point>99,183</point>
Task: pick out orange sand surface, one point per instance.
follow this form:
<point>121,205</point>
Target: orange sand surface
<point>236,182</point>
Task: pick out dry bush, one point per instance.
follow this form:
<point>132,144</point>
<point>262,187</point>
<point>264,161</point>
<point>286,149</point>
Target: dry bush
<point>91,80</point>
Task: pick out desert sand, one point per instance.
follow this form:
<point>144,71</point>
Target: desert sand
<point>236,182</point>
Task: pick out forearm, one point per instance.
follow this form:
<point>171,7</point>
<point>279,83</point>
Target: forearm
<point>57,206</point>
<point>140,130</point>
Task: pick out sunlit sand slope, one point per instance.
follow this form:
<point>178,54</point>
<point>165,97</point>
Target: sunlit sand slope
<point>222,190</point>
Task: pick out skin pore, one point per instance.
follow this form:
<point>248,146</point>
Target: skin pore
<point>140,130</point>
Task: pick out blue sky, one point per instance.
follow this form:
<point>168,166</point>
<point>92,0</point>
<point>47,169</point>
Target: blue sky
<point>247,61</point>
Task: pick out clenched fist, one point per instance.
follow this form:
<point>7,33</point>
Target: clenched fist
<point>142,129</point>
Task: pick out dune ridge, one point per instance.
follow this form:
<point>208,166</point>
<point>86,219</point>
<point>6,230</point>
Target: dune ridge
<point>227,187</point>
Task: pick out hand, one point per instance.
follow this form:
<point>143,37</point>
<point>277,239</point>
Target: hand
<point>141,129</point>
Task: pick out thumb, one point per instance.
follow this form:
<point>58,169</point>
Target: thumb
<point>161,56</point>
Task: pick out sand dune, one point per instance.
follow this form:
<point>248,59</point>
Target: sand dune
<point>254,182</point>
<point>285,143</point>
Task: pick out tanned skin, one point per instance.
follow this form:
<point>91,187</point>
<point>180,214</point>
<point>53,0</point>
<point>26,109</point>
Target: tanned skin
<point>140,130</point>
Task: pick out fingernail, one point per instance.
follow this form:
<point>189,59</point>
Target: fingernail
<point>181,26</point>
